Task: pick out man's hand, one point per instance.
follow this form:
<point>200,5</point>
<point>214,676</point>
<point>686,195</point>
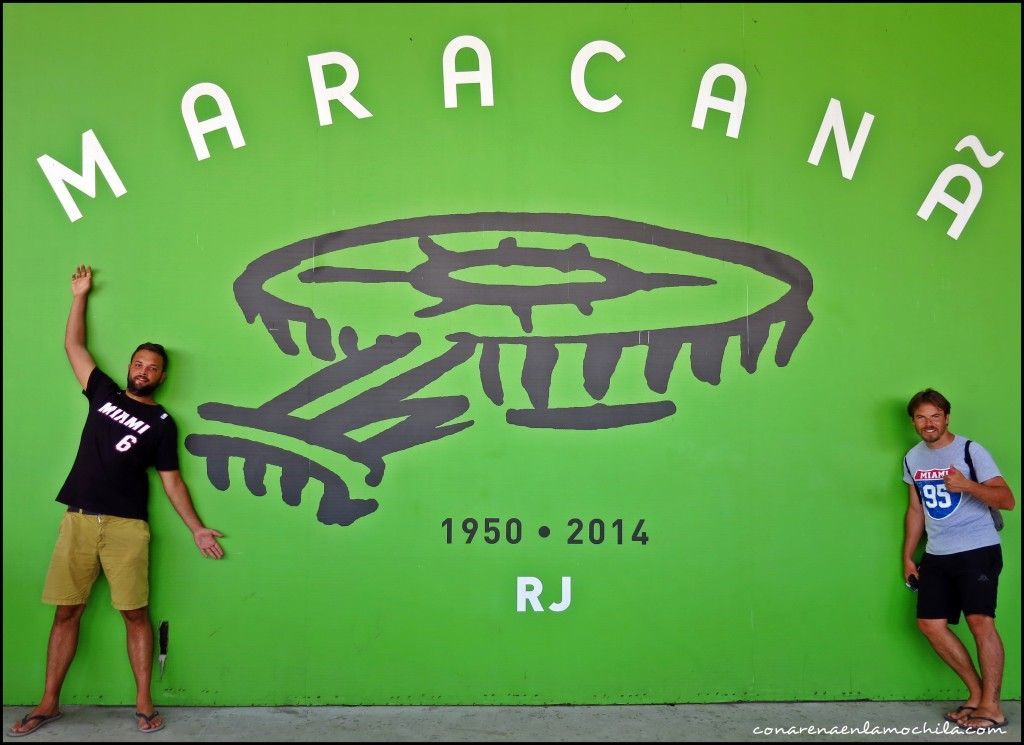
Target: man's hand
<point>206,540</point>
<point>81,280</point>
<point>909,568</point>
<point>177,492</point>
<point>956,481</point>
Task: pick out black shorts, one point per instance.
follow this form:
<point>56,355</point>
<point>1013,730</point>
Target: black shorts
<point>966,581</point>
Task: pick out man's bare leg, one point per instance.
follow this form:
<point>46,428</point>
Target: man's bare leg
<point>953,652</point>
<point>60,652</point>
<point>991,660</point>
<point>140,655</point>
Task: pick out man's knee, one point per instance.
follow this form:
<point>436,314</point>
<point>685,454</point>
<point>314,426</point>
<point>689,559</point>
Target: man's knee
<point>68,614</point>
<point>981,625</point>
<point>932,627</point>
<point>136,616</point>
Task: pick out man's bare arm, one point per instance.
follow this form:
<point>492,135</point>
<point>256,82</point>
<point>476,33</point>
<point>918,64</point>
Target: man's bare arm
<point>177,492</point>
<point>81,361</point>
<point>913,526</point>
<point>995,492</point>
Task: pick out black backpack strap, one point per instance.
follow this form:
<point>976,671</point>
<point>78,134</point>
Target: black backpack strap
<point>997,518</point>
<point>970,463</point>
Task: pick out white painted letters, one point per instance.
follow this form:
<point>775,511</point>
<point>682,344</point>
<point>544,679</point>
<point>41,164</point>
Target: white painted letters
<point>579,69</point>
<point>833,125</point>
<point>833,122</point>
<point>733,106</point>
<point>453,78</point>
<point>938,195</point>
<point>60,175</point>
<point>566,596</point>
<point>225,120</point>
<point>528,590</point>
<point>341,93</point>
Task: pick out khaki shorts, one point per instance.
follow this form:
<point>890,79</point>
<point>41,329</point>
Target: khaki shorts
<point>85,543</point>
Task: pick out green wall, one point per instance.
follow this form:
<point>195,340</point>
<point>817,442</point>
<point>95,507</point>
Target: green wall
<point>771,500</point>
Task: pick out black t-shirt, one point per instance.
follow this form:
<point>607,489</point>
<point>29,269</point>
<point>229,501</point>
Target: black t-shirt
<point>121,439</point>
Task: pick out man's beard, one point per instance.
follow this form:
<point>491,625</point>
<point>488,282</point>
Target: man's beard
<point>145,390</point>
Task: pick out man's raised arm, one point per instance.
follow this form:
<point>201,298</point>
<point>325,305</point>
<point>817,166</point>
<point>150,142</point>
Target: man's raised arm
<point>81,361</point>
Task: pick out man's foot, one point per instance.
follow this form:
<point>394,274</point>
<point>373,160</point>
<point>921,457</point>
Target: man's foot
<point>149,722</point>
<point>960,713</point>
<point>31,722</point>
<point>978,723</point>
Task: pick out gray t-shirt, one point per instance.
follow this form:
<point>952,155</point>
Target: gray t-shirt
<point>955,521</point>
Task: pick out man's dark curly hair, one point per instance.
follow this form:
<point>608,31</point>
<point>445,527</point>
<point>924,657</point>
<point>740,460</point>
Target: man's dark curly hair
<point>153,347</point>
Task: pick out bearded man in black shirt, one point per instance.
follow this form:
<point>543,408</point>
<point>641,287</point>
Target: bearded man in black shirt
<point>106,524</point>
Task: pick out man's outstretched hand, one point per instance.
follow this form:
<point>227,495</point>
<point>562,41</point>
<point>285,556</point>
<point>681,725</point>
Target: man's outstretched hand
<point>206,540</point>
<point>81,280</point>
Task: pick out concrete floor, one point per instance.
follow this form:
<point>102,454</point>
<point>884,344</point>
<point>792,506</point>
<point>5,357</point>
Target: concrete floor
<point>884,721</point>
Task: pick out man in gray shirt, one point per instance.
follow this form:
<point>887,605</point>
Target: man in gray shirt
<point>960,568</point>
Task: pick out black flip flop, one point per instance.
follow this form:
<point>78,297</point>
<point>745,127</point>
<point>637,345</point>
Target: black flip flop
<point>994,725</point>
<point>148,719</point>
<point>953,720</point>
<point>44,719</point>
